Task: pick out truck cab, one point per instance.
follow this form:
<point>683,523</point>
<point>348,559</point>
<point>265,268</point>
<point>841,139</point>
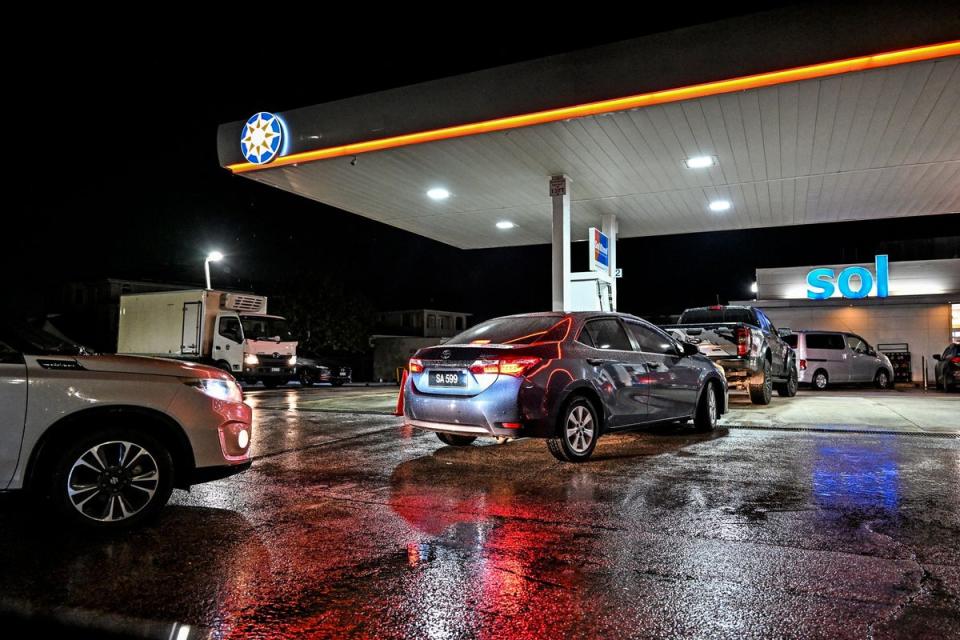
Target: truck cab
<point>255,347</point>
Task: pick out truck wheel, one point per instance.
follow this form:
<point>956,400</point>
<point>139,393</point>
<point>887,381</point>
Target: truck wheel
<point>882,379</point>
<point>762,393</point>
<point>455,440</point>
<point>820,380</point>
<point>111,478</point>
<point>788,389</point>
<point>705,420</point>
<point>578,431</point>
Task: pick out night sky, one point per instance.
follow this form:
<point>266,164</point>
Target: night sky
<point>118,175</point>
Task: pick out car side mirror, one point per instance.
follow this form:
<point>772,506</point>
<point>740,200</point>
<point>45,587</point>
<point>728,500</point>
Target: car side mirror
<point>937,356</point>
<point>689,349</point>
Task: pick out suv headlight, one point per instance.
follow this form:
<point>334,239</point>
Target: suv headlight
<point>218,388</point>
<point>251,360</point>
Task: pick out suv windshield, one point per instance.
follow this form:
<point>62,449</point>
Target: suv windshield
<point>39,341</point>
<point>710,315</point>
<point>266,328</point>
<point>515,330</point>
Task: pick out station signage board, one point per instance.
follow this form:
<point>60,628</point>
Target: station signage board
<point>599,246</point>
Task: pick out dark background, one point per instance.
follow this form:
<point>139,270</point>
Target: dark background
<point>117,175</point>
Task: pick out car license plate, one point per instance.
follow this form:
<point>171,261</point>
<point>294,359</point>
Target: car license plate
<point>447,379</point>
<point>343,372</point>
<point>275,369</point>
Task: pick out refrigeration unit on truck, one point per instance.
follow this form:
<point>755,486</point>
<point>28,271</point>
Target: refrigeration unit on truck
<point>230,330</point>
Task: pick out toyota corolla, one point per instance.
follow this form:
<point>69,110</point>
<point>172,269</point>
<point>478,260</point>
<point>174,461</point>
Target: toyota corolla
<point>565,377</point>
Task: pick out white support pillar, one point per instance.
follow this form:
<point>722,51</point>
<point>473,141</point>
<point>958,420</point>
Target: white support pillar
<point>610,228</point>
<point>560,195</point>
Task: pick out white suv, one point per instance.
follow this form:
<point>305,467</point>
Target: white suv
<point>105,439</point>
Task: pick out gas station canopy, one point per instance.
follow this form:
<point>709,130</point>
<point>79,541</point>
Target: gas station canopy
<point>801,116</point>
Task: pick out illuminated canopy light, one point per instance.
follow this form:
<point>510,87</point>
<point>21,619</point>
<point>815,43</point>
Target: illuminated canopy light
<point>700,162</point>
<point>719,205</point>
<point>438,193</point>
<point>771,78</point>
<point>505,224</point>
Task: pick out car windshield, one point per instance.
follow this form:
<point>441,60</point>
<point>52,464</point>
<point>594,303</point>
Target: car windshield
<point>710,315</point>
<point>511,330</point>
<point>266,328</point>
<point>39,341</point>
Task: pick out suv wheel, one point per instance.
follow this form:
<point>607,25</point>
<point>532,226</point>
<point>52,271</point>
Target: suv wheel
<point>579,429</point>
<point>455,440</point>
<point>762,393</point>
<point>882,379</point>
<point>705,420</point>
<point>111,478</point>
<point>820,380</point>
<point>788,389</point>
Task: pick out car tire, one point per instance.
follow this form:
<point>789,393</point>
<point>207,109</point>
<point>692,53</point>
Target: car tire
<point>110,478</point>
<point>456,441</point>
<point>820,380</point>
<point>306,378</point>
<point>708,410</point>
<point>789,388</point>
<point>223,365</point>
<point>762,393</point>
<point>577,432</point>
<point>882,379</point>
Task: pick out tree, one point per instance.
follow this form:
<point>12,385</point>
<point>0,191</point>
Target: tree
<point>325,316</point>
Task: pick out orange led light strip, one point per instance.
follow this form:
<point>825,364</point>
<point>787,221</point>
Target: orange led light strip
<point>820,70</point>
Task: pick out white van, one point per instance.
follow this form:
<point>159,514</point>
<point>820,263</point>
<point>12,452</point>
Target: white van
<point>833,357</point>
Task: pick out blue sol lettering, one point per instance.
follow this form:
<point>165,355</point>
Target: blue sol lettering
<point>820,281</point>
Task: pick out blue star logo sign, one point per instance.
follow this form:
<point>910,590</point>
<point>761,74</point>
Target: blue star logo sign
<point>262,138</point>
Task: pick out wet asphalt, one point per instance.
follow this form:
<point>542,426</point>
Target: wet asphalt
<point>349,525</point>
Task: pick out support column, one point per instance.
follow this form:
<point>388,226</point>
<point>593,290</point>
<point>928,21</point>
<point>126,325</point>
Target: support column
<point>560,195</point>
<point>610,229</point>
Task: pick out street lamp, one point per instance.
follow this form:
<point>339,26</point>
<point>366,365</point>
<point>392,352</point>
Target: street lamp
<point>213,256</point>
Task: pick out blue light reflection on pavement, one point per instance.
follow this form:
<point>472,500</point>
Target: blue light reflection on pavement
<point>857,475</point>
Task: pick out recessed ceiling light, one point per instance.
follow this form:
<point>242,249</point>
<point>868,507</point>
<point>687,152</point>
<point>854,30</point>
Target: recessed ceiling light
<point>505,224</point>
<point>438,193</point>
<point>719,205</point>
<point>700,162</point>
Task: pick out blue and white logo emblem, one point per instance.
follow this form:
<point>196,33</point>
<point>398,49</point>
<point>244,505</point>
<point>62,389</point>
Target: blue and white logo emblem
<point>262,138</point>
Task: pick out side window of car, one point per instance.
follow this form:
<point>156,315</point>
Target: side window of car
<point>585,338</point>
<point>230,329</point>
<point>825,341</point>
<point>8,354</point>
<point>762,319</point>
<point>608,334</point>
<point>857,344</point>
<point>651,341</point>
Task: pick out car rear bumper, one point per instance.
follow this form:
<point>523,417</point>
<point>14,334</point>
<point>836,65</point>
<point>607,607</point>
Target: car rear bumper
<point>482,414</point>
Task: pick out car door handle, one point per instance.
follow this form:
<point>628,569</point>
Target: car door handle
<point>598,361</point>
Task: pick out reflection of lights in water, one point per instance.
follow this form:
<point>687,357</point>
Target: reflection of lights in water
<point>851,475</point>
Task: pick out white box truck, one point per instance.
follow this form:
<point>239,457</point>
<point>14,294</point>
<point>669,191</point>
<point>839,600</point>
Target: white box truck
<point>232,331</point>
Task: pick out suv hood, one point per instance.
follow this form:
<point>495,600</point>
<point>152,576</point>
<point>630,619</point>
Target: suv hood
<point>139,365</point>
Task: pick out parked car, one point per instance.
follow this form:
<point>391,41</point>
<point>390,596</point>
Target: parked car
<point>833,357</point>
<point>566,377</point>
<point>314,369</point>
<point>947,371</point>
<point>105,439</point>
<point>746,344</point>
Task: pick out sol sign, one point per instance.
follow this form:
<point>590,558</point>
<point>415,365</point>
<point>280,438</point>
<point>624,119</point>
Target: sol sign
<point>853,282</point>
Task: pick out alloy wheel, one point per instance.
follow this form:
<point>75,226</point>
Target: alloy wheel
<point>113,481</point>
<point>711,406</point>
<point>579,429</point>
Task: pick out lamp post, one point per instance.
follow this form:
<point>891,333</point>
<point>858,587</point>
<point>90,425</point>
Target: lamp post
<point>213,256</point>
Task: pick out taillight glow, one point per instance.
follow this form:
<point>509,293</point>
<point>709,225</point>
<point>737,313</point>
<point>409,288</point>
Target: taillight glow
<point>955,360</point>
<point>743,341</point>
<point>510,366</point>
<point>803,365</point>
<point>416,365</point>
<point>510,425</point>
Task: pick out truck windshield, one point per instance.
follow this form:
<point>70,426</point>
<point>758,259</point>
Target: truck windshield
<point>711,315</point>
<point>522,330</point>
<point>266,328</point>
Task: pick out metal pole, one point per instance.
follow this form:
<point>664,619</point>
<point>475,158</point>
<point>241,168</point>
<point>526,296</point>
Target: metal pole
<point>206,270</point>
<point>923,363</point>
<point>560,195</point>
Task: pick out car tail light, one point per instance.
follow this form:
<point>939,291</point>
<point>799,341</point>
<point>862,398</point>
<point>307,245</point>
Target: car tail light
<point>715,307</point>
<point>511,366</point>
<point>510,425</point>
<point>416,365</point>
<point>955,359</point>
<point>743,341</point>
<point>803,365</point>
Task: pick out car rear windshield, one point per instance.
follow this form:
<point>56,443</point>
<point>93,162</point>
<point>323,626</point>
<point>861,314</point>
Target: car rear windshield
<point>710,315</point>
<point>521,330</point>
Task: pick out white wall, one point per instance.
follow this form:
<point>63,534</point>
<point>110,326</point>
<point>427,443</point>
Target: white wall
<point>926,328</point>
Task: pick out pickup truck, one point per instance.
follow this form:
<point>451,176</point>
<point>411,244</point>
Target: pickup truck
<point>745,343</point>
